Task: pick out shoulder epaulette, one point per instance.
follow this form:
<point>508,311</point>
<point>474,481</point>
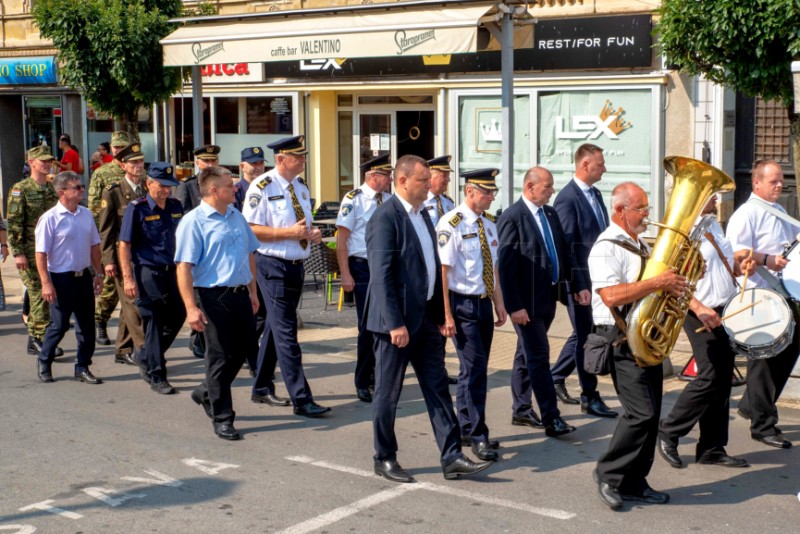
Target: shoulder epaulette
<point>456,219</point>
<point>489,216</point>
<point>301,180</point>
<point>264,182</point>
<point>189,178</point>
<point>112,186</point>
<point>352,194</point>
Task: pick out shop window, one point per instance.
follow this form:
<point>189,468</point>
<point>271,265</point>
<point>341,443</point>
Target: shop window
<point>773,135</point>
<point>345,132</point>
<point>386,99</point>
<point>226,114</point>
<point>269,115</point>
<point>345,100</point>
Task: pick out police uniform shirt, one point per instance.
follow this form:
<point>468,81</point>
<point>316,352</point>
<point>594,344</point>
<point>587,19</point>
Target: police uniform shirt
<point>67,238</point>
<point>715,288</point>
<point>611,265</point>
<point>430,206</point>
<point>218,246</point>
<point>751,226</point>
<point>150,230</point>
<point>459,241</point>
<point>269,203</point>
<point>354,214</point>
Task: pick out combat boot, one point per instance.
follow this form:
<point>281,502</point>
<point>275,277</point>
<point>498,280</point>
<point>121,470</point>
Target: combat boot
<point>35,347</point>
<point>102,334</point>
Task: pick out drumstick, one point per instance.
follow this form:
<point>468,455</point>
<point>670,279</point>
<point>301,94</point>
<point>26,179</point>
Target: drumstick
<point>744,283</point>
<point>756,303</point>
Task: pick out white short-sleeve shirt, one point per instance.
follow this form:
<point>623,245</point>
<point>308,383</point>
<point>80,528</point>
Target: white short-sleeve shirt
<point>430,206</point>
<point>355,212</point>
<point>460,248</point>
<point>716,287</point>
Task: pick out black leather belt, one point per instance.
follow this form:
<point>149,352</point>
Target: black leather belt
<point>288,262</point>
<point>475,297</point>
<point>357,259</point>
<point>222,289</point>
<point>160,267</point>
<point>603,327</point>
<point>77,274</point>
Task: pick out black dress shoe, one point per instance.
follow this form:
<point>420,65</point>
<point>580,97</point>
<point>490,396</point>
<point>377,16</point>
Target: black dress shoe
<point>669,453</point>
<point>271,399</point>
<point>226,431</point>
<point>484,452</point>
<point>610,496</point>
<point>720,457</point>
<point>311,409</point>
<point>162,387</point>
<point>776,440</point>
<point>364,395</point>
<point>87,377</point>
<point>391,470</point>
<point>452,380</point>
<point>44,371</point>
<point>204,402</point>
<point>647,495</point>
<point>124,357</point>
<point>467,442</point>
<point>597,408</point>
<point>463,467</point>
<point>563,395</point>
<point>558,427</point>
<point>529,419</point>
<point>101,334</point>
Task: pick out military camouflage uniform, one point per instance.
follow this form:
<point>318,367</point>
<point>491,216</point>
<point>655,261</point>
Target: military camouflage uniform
<point>27,201</point>
<point>108,174</point>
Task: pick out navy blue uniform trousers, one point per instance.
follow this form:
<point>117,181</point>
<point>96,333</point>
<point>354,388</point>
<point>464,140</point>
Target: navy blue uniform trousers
<point>74,294</point>
<point>571,356</point>
<point>531,370</point>
<point>474,321</point>
<point>162,311</point>
<point>281,283</point>
<point>365,351</point>
<point>424,353</point>
<point>229,335</point>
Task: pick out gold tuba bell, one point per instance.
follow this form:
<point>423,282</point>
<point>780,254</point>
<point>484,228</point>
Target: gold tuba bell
<point>655,321</point>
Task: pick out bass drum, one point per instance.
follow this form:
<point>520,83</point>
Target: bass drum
<point>790,275</point>
<point>762,331</point>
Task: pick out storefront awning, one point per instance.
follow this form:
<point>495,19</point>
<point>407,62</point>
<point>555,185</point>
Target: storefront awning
<point>395,31</point>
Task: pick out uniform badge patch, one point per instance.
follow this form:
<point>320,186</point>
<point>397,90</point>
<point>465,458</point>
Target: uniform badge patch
<point>494,242</point>
<point>254,200</point>
<point>346,209</point>
<point>104,204</point>
<point>444,237</point>
<point>352,194</point>
<point>16,193</point>
<point>456,219</point>
<point>469,236</point>
<point>275,197</point>
<point>177,215</point>
<point>152,217</point>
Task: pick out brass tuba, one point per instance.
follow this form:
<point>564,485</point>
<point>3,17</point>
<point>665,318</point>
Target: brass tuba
<point>655,321</point>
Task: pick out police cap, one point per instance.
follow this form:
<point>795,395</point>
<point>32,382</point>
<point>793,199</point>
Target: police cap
<point>290,145</point>
<point>483,178</point>
<point>442,163</point>
<point>207,152</point>
<point>162,172</point>
<point>252,154</point>
<point>132,152</point>
<point>380,164</point>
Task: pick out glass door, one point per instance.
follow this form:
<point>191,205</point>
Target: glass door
<point>43,124</point>
<point>377,136</point>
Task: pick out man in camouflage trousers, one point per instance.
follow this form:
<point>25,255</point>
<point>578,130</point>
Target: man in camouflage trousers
<point>104,176</point>
<point>27,201</point>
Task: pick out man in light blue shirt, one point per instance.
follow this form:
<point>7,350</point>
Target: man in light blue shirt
<point>216,267</point>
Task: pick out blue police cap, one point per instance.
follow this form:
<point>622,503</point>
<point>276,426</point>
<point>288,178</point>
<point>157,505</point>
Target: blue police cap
<point>442,163</point>
<point>162,172</point>
<point>380,164</point>
<point>483,178</point>
<point>289,145</point>
<point>253,154</point>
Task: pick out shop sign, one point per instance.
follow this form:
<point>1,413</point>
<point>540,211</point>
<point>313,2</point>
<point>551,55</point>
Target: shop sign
<point>232,72</point>
<point>35,70</point>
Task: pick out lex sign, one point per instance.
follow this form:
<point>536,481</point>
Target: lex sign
<point>609,123</point>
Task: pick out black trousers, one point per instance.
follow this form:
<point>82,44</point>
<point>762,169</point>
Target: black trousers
<point>627,462</point>
<point>571,356</point>
<point>706,399</point>
<point>74,295</point>
<point>365,351</point>
<point>765,381</point>
<point>424,353</point>
<point>230,334</point>
<point>531,370</point>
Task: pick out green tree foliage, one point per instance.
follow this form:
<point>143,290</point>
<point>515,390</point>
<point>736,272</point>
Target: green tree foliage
<point>745,45</point>
<point>109,50</point>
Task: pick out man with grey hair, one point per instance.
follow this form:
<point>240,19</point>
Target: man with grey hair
<point>67,246</point>
<point>616,263</point>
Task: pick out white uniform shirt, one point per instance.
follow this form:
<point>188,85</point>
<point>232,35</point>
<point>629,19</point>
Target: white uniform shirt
<point>268,203</point>
<point>430,206</point>
<point>716,287</point>
<point>460,249</point>
<point>425,241</point>
<point>67,238</point>
<point>753,227</point>
<point>611,265</point>
<point>355,212</point>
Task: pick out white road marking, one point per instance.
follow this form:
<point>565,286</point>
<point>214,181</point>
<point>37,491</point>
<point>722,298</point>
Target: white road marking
<point>45,506</point>
<point>209,468</point>
<point>158,478</point>
<point>105,495</point>
<point>546,512</point>
<point>20,529</point>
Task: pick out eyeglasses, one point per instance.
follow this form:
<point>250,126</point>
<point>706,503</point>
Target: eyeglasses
<point>79,187</point>
<point>643,210</point>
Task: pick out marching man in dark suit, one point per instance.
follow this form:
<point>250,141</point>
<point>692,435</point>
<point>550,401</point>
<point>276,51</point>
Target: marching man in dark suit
<point>405,311</point>
<point>533,265</point>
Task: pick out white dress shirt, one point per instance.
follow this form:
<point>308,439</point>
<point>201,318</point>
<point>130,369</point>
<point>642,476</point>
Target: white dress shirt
<point>430,206</point>
<point>716,288</point>
<point>425,241</point>
<point>354,214</point>
<point>67,238</point>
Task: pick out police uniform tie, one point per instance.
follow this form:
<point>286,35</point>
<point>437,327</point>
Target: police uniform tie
<point>548,241</point>
<point>439,207</point>
<point>488,272</point>
<point>379,198</point>
<point>298,212</point>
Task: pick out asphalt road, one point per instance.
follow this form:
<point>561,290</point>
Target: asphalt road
<point>118,458</point>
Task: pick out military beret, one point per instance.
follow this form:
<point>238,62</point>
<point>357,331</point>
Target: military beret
<point>380,164</point>
<point>252,154</point>
<point>120,139</point>
<point>132,152</point>
<point>442,163</point>
<point>483,178</point>
<point>162,172</point>
<point>289,145</point>
<point>207,152</point>
<point>40,152</point>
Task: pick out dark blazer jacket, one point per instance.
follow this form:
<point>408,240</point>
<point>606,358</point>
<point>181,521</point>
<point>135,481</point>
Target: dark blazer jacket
<point>523,265</point>
<point>580,226</point>
<point>398,284</point>
<point>116,198</point>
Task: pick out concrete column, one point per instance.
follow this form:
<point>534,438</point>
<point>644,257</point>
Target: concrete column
<point>323,180</point>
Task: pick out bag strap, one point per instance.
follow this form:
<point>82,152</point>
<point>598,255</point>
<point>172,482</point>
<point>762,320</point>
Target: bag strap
<point>615,313</point>
<point>721,255</point>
